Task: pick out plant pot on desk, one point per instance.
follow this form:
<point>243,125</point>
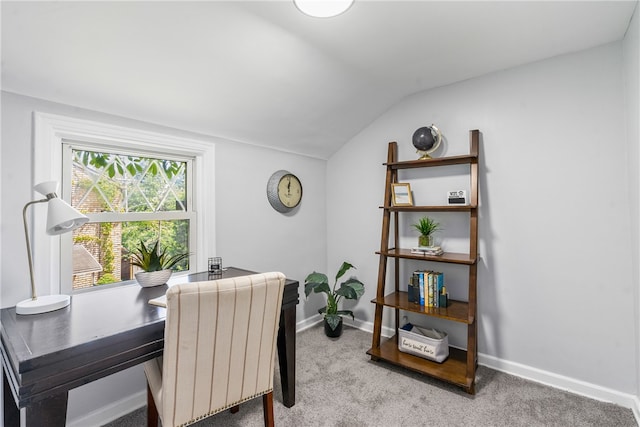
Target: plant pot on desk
<point>148,279</point>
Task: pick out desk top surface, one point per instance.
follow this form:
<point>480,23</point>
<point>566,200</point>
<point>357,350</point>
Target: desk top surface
<point>100,318</point>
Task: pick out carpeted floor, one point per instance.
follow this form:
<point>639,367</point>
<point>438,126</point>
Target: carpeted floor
<point>338,385</point>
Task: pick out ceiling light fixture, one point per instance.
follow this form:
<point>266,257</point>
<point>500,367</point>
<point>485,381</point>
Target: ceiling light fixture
<point>323,8</point>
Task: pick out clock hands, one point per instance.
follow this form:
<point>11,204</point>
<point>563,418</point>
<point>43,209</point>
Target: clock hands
<point>284,191</point>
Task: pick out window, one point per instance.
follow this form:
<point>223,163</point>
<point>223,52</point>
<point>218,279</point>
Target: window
<point>129,199</point>
<point>126,179</point>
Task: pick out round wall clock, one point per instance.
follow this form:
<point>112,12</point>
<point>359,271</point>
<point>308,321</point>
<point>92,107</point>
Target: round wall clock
<point>284,191</point>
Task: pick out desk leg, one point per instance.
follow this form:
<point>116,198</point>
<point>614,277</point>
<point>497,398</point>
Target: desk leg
<point>51,411</point>
<point>11,412</point>
<point>287,355</point>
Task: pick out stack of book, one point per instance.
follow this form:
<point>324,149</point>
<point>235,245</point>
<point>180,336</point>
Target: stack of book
<point>427,250</point>
<point>425,288</point>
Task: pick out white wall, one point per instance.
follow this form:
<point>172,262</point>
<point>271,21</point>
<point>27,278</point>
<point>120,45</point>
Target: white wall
<point>556,290</point>
<point>249,233</point>
<point>631,57</point>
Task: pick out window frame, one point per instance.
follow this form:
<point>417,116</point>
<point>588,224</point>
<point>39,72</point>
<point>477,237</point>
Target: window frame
<point>52,256</point>
<point>101,217</point>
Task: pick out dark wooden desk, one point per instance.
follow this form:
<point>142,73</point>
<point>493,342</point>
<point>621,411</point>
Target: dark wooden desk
<point>100,333</point>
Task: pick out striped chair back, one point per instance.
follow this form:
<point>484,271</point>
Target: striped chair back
<point>219,348</point>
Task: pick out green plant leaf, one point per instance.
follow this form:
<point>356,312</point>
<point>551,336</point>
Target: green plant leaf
<point>427,226</point>
<point>351,289</point>
<point>343,269</point>
<point>316,288</point>
<point>169,262</point>
<point>315,280</point>
<point>345,313</point>
<point>132,169</point>
<point>332,304</point>
<point>154,260</point>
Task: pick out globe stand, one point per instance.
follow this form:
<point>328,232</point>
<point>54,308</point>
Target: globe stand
<point>424,155</point>
<point>426,139</point>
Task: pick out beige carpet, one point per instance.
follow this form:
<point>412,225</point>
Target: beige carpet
<point>338,385</point>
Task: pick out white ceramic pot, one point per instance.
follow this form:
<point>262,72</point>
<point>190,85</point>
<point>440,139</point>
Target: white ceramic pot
<point>153,278</point>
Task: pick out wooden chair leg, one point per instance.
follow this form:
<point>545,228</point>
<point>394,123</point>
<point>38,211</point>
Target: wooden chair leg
<point>152,411</point>
<point>234,409</point>
<point>267,405</point>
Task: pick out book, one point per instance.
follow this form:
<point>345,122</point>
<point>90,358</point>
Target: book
<point>439,287</point>
<point>414,289</point>
<point>427,250</point>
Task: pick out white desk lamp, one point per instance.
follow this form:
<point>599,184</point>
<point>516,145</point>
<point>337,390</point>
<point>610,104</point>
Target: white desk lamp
<point>61,218</point>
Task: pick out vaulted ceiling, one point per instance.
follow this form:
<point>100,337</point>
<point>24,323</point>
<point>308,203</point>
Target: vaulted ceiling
<point>262,72</point>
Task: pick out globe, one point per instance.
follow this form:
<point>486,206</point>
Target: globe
<point>426,140</point>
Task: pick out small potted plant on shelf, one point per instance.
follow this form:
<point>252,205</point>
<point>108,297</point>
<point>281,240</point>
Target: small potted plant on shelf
<point>426,226</point>
<point>156,264</point>
<point>352,288</point>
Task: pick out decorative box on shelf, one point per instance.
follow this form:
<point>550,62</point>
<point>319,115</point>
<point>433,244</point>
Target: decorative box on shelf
<point>426,343</point>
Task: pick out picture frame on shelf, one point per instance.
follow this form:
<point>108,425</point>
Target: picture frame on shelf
<point>401,194</point>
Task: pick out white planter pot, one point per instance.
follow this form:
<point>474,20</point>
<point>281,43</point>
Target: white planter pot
<point>153,278</point>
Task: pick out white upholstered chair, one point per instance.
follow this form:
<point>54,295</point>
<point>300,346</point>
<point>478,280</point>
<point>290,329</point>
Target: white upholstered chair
<point>219,349</point>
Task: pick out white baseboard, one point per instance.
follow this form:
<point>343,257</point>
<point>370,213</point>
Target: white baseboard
<point>571,385</point>
<point>562,382</point>
<point>308,322</point>
<point>112,411</point>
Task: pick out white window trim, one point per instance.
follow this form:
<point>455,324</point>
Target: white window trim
<point>49,132</point>
<point>66,243</point>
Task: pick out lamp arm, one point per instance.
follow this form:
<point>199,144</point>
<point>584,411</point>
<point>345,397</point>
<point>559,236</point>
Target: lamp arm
<point>26,235</point>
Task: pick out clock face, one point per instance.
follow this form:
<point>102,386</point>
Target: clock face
<point>284,191</point>
<point>290,191</point>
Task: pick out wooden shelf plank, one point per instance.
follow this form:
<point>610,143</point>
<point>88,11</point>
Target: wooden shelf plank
<point>450,257</point>
<point>444,208</point>
<point>457,311</point>
<point>440,161</point>
<point>452,370</point>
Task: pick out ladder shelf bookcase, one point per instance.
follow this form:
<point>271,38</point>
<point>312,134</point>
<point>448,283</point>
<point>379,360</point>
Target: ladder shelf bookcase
<point>460,368</point>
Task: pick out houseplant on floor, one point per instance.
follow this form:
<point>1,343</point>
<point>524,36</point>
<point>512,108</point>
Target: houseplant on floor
<point>426,226</point>
<point>352,288</point>
<point>156,264</point>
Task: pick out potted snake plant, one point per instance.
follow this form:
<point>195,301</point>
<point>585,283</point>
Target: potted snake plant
<point>426,226</point>
<point>352,288</point>
<point>156,264</point>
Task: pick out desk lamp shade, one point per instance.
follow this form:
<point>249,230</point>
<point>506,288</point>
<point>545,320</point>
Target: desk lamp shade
<point>61,218</point>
